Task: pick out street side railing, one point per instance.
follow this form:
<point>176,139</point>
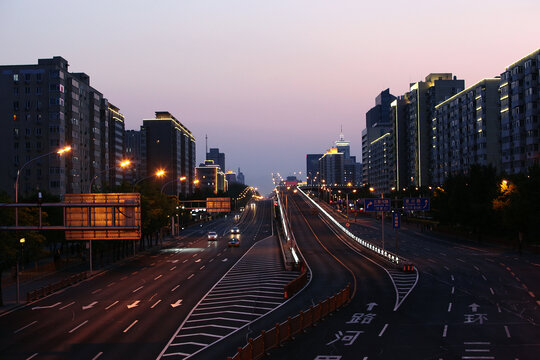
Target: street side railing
<point>386,255</point>
<point>298,283</point>
<point>51,288</point>
<point>258,347</point>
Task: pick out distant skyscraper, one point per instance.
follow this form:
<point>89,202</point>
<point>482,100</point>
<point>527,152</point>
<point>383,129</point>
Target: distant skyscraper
<point>240,177</point>
<point>210,177</point>
<point>116,139</point>
<point>230,176</point>
<point>331,167</point>
<point>312,168</point>
<point>217,157</point>
<point>169,146</point>
<point>520,114</point>
<point>133,153</point>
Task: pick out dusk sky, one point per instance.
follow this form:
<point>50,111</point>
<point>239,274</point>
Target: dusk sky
<point>268,81</point>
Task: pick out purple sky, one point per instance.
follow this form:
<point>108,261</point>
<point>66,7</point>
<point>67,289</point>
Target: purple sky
<point>267,81</point>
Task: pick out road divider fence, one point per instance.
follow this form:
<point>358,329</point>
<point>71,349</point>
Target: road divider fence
<point>258,347</point>
<point>297,284</point>
<point>51,288</point>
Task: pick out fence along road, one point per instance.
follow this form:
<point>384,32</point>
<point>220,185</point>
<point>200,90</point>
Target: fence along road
<point>252,288</point>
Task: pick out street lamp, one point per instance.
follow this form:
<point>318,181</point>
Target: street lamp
<point>182,178</point>
<point>59,152</point>
<point>123,164</point>
<point>158,173</point>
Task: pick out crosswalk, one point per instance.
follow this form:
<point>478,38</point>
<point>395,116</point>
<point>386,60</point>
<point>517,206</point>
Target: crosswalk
<point>249,290</point>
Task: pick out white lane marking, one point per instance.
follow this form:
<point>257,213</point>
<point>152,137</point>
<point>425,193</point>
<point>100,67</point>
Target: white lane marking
<point>68,305</point>
<point>129,327</point>
<point>157,277</point>
<point>174,288</point>
<point>202,267</point>
<point>78,326</point>
<point>212,259</point>
<point>108,285</point>
<point>477,357</point>
<point>153,306</point>
<point>110,306</point>
<point>460,260</point>
<point>98,355</point>
<point>447,268</point>
<point>498,308</point>
<point>24,327</point>
<point>492,292</point>
<point>46,307</point>
<point>452,289</point>
<point>137,289</point>
<point>452,277</point>
<point>134,273</point>
<point>484,277</point>
<point>477,343</point>
<point>198,260</point>
<point>224,260</point>
<point>449,307</point>
<point>96,291</point>
<point>171,269</point>
<point>445,330</point>
<point>383,330</point>
<point>134,304</point>
<point>185,261</point>
<point>476,267</point>
<point>31,357</point>
<point>507,331</point>
<point>190,276</point>
<point>194,255</point>
<point>123,278</point>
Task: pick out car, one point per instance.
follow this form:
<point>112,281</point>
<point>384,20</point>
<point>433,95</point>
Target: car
<point>235,230</point>
<point>234,242</point>
<point>212,235</point>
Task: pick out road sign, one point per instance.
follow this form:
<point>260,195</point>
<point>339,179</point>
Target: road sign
<point>347,224</point>
<point>376,204</point>
<point>416,204</point>
<point>396,220</point>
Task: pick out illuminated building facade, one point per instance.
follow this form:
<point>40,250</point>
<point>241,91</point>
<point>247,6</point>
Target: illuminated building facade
<point>170,146</point>
<point>312,168</point>
<point>331,167</point>
<point>210,177</point>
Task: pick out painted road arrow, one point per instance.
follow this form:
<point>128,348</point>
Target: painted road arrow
<point>474,307</point>
<point>46,307</point>
<point>177,303</point>
<point>370,306</point>
<point>135,304</point>
<point>224,260</point>
<point>89,306</point>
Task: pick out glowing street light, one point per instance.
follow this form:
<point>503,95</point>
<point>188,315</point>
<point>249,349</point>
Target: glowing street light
<point>159,173</point>
<point>123,164</point>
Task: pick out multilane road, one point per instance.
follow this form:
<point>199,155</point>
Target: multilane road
<point>131,310</point>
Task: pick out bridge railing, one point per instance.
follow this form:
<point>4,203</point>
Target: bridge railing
<point>386,255</point>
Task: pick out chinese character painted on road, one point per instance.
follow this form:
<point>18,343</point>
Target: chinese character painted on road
<point>328,357</point>
<point>350,338</point>
<point>361,318</point>
<point>475,318</point>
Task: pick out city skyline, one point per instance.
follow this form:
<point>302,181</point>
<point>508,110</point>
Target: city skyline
<point>246,73</point>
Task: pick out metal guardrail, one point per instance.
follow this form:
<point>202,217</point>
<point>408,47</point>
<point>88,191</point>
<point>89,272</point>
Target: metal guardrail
<point>258,347</point>
<point>51,288</point>
<point>366,244</point>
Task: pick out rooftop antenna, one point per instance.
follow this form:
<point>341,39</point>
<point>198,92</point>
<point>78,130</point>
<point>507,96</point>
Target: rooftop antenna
<point>206,138</point>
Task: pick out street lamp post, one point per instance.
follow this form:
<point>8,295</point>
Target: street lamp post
<point>59,152</point>
<point>123,164</point>
<point>19,259</point>
<point>158,173</point>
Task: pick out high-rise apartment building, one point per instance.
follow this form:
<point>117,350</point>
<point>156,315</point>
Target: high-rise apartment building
<point>210,177</point>
<point>133,148</point>
<point>117,151</point>
<point>217,157</point>
<point>466,131</point>
<point>399,114</point>
<point>49,108</point>
<point>170,146</point>
<point>422,97</point>
<point>520,114</point>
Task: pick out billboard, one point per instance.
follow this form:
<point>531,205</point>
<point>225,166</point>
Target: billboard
<point>218,205</point>
<point>108,216</point>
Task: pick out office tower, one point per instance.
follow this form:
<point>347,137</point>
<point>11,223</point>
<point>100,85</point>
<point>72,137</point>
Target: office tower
<point>399,114</point>
<point>133,149</point>
<point>49,108</point>
<point>466,131</point>
<point>378,144</point>
<point>520,114</point>
<point>170,146</point>
<point>331,167</point>
<point>312,168</point>
<point>230,176</point>
<point>217,157</point>
<point>115,121</point>
<point>240,177</point>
